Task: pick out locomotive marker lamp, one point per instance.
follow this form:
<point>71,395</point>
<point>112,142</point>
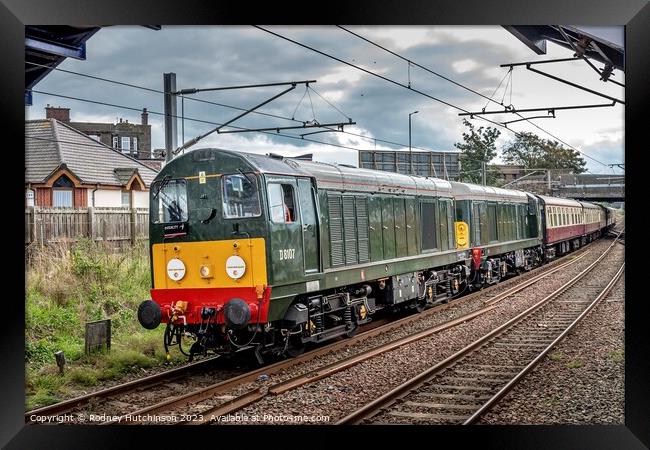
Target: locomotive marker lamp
<point>175,269</point>
<point>235,267</point>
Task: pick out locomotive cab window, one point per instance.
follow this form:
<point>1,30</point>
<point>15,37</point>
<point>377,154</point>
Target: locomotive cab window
<point>169,201</point>
<point>240,196</point>
<point>282,206</point>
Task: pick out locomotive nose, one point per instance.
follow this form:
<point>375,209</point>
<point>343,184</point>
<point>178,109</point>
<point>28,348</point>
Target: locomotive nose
<point>149,314</point>
<point>237,313</point>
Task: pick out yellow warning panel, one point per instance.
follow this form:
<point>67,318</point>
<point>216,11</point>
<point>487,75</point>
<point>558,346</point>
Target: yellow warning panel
<point>207,264</point>
<point>462,235</point>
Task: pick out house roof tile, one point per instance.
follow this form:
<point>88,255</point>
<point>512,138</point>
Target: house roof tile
<point>50,143</point>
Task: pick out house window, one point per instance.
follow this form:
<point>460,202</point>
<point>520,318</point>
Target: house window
<point>125,144</point>
<point>62,193</point>
<point>115,141</point>
<point>94,137</point>
<point>62,198</point>
<point>135,144</point>
<point>126,199</point>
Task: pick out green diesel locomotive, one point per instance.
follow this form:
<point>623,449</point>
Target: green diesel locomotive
<point>270,254</point>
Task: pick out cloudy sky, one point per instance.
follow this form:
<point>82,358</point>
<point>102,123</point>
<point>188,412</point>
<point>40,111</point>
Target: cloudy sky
<point>215,56</point>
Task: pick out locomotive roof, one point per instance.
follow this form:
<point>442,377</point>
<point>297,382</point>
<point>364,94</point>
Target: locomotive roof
<point>347,178</point>
<point>465,191</point>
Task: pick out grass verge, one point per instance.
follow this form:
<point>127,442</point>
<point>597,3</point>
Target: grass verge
<point>67,287</point>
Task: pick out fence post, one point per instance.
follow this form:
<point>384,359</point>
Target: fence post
<point>41,235</point>
<point>134,228</point>
<point>91,223</point>
<point>31,224</point>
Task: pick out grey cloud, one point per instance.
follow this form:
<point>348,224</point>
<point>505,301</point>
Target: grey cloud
<point>221,56</point>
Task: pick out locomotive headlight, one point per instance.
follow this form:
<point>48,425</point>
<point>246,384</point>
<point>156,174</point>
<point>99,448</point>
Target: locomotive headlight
<point>206,271</point>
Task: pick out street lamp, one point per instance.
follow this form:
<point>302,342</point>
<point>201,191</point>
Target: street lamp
<point>410,153</point>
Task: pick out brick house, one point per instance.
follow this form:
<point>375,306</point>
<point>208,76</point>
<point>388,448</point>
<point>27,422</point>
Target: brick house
<point>129,138</point>
<point>65,168</point>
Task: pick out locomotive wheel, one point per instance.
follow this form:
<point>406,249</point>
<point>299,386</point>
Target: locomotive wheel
<point>420,305</point>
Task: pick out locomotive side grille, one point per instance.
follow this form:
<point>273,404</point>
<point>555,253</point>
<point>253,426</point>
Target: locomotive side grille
<point>336,229</point>
<point>362,229</point>
<point>349,228</point>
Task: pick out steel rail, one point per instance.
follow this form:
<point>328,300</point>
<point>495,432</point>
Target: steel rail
<point>257,394</point>
<point>148,381</point>
<point>374,407</point>
<point>494,399</point>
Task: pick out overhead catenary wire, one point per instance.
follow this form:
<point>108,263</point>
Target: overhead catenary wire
<point>326,101</point>
<point>380,76</point>
<point>490,99</point>
<point>158,91</point>
<point>414,63</point>
<point>228,106</point>
<point>344,132</point>
<point>495,91</point>
<point>189,118</point>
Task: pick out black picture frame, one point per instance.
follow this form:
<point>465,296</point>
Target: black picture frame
<point>634,14</point>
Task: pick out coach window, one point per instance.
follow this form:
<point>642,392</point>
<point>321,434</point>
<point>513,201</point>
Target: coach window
<point>240,196</point>
<point>282,203</point>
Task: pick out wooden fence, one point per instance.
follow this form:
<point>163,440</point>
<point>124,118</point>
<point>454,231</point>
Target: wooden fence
<point>119,226</point>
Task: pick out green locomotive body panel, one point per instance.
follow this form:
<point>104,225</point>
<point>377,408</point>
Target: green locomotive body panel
<point>339,226</point>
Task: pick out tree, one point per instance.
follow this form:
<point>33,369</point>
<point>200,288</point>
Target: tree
<point>478,146</point>
<point>533,152</point>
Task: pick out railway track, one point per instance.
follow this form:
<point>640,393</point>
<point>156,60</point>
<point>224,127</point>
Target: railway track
<point>115,393</point>
<point>196,413</point>
<point>462,387</point>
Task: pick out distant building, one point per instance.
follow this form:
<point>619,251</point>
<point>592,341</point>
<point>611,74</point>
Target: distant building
<point>507,173</point>
<point>440,164</point>
<point>129,138</point>
<point>66,168</point>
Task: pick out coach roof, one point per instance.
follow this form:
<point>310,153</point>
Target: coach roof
<point>467,191</point>
<point>566,202</point>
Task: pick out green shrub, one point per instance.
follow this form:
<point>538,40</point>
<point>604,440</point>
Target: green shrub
<point>83,376</point>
